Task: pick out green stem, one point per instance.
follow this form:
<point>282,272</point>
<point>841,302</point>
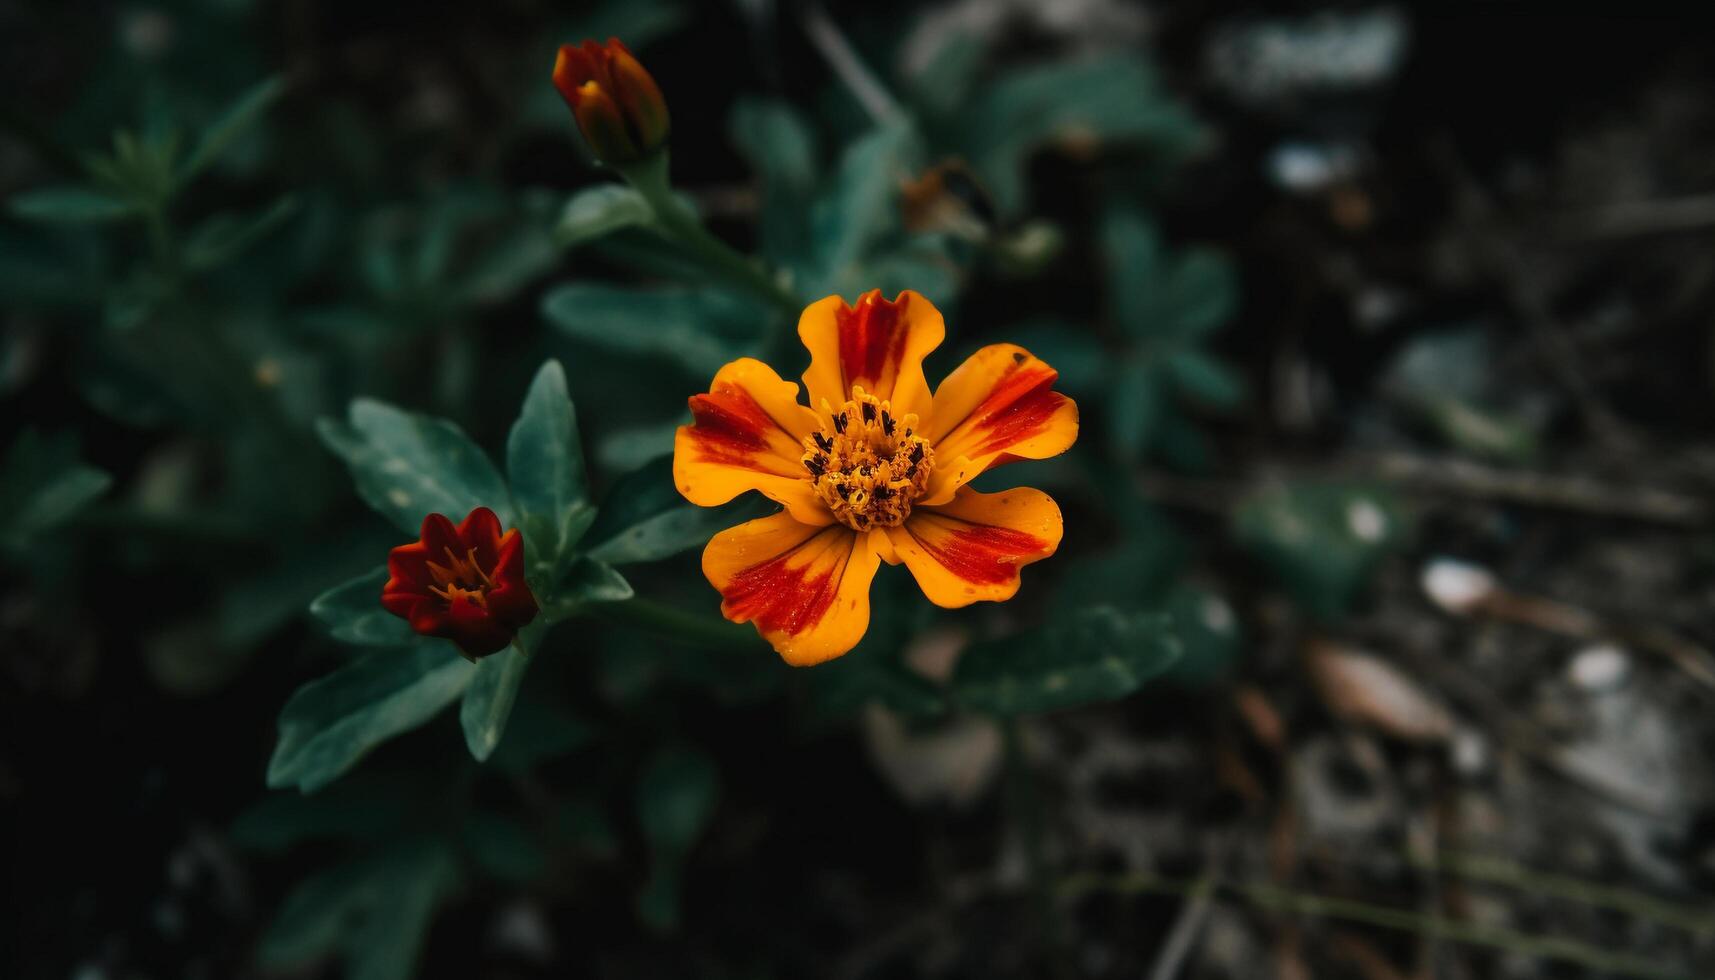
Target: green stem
<point>676,624</point>
<point>1279,899</point>
<point>649,178</point>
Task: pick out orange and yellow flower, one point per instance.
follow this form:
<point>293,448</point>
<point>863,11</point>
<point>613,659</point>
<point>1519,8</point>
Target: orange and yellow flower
<point>614,99</point>
<point>874,470</point>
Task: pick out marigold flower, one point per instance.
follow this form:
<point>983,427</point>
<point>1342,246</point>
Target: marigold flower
<point>615,101</point>
<point>463,583</point>
<point>875,472</point>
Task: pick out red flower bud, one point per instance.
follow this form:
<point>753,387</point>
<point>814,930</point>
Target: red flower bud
<point>617,105</point>
<point>463,583</point>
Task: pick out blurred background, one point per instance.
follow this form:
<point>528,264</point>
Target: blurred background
<point>1390,329</point>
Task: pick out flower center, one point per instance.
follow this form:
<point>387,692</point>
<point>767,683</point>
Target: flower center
<point>460,578</point>
<point>867,465</point>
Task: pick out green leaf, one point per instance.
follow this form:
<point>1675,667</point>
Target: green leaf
<point>353,613</point>
<point>1208,632</point>
<point>375,912</point>
<point>597,211</point>
<point>408,466</point>
<point>545,464</point>
<point>539,731</point>
<point>859,209</point>
<point>223,236</point>
<point>1135,409</point>
<point>1133,250</point>
<point>681,325</point>
<point>69,205</point>
<point>644,518</point>
<point>233,123</point>
<point>362,807</point>
<point>502,847</point>
<point>488,700</point>
<point>1098,654</point>
<point>42,485</point>
<point>1321,540</point>
<point>1205,379</point>
<point>780,146</point>
<point>675,799</point>
<point>588,582</point>
<point>330,723</point>
<point>1084,104</point>
<point>1204,292</point>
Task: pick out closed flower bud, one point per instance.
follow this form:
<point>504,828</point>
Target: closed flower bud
<point>616,103</point>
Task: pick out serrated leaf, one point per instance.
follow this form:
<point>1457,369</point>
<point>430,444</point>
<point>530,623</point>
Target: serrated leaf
<point>644,518</point>
<point>407,466</point>
<point>68,205</point>
<point>330,723</point>
<point>353,613</point>
<point>244,113</point>
<point>545,464</point>
<point>597,211</point>
<point>1097,654</point>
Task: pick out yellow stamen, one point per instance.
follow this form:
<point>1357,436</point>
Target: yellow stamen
<point>460,577</point>
<point>867,465</point>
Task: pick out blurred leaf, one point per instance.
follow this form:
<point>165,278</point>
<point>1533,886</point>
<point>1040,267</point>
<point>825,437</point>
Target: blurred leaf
<point>780,147</point>
<point>1083,104</point>
<point>644,518</point>
<point>1321,541</point>
<point>675,799</point>
<point>1479,432</point>
<point>42,485</point>
<point>408,466</point>
<point>502,847</point>
<point>545,464</point>
<point>1134,409</point>
<point>1132,246</point>
<point>1208,632</point>
<point>222,237</point>
<point>1204,292</point>
<point>858,208</point>
<point>537,733</point>
<point>1205,379</point>
<point>361,807</point>
<point>843,686</point>
<point>70,204</point>
<point>1098,654</point>
<point>597,211</point>
<point>374,911</point>
<point>679,324</point>
<point>244,113</point>
<point>488,700</point>
<point>331,722</point>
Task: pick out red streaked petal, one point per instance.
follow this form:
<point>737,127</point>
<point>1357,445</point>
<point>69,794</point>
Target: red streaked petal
<point>971,549</point>
<point>747,433</point>
<point>806,589</point>
<point>999,405</point>
<point>876,343</point>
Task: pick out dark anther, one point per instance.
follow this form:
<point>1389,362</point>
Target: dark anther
<point>822,442</point>
<point>916,454</point>
<point>868,412</point>
<point>882,493</point>
<point>816,465</point>
<point>840,422</point>
<point>887,423</point>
